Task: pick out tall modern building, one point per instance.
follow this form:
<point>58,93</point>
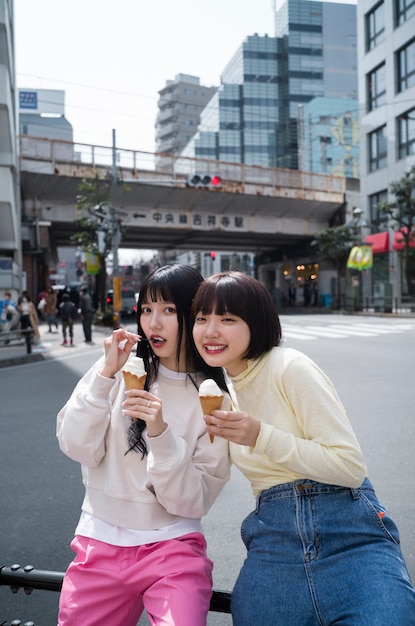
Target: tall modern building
<point>387,125</point>
<point>318,43</point>
<point>328,137</point>
<point>180,104</point>
<point>240,122</point>
<point>253,118</point>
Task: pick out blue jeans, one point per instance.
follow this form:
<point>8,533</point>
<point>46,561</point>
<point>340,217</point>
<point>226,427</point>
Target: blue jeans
<point>321,555</point>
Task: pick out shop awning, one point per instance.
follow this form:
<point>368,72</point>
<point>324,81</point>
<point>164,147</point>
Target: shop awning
<point>398,240</point>
<point>379,242</point>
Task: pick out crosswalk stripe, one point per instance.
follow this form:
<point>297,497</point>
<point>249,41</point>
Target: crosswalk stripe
<point>355,331</point>
<point>320,332</point>
<point>342,330</point>
<point>385,329</point>
<point>292,335</point>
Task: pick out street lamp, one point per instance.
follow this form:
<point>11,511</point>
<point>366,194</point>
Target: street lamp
<point>357,223</point>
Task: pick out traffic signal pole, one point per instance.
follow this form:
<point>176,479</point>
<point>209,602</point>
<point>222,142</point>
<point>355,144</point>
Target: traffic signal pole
<point>115,227</point>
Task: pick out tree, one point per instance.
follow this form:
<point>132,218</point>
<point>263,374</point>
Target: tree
<point>94,194</point>
<point>333,244</point>
<point>402,215</point>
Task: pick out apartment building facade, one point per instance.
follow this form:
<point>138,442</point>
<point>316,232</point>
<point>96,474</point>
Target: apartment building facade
<point>10,240</point>
<point>179,106</point>
<point>386,54</point>
<point>253,118</point>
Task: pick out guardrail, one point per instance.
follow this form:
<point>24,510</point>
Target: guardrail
<point>380,304</point>
<point>26,335</point>
<point>163,166</point>
<point>28,578</point>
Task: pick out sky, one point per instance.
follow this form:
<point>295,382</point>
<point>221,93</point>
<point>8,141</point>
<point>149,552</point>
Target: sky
<point>112,57</point>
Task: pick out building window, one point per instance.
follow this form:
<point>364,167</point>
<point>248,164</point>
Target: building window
<point>376,87</point>
<point>377,149</point>
<point>404,9</point>
<point>377,217</point>
<point>375,26</point>
<point>406,134</point>
<point>406,67</point>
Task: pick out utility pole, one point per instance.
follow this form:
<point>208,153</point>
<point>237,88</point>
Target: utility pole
<point>116,235</point>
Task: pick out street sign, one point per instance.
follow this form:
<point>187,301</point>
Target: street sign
<point>117,295</point>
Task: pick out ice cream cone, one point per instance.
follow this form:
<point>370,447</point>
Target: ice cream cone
<point>132,381</point>
<point>209,404</point>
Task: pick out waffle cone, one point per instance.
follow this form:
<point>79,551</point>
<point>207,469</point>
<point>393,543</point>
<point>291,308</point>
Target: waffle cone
<point>209,404</point>
<point>132,381</point>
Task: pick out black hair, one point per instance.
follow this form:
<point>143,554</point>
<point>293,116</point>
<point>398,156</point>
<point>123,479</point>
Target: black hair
<point>177,284</point>
<point>242,295</point>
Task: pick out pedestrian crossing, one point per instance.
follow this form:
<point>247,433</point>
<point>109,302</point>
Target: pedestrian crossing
<point>333,329</point>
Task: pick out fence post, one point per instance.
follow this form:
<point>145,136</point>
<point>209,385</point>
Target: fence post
<point>28,337</point>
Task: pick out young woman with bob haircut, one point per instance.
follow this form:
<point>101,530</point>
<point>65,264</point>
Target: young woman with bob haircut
<point>321,548</point>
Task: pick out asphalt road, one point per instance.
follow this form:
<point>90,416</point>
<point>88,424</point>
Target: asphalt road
<point>371,362</point>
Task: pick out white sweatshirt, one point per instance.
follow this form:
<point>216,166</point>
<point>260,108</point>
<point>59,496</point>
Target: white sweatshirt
<point>305,432</point>
<point>180,478</point>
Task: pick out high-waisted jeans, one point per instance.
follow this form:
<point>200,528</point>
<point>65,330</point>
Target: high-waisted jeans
<point>322,555</point>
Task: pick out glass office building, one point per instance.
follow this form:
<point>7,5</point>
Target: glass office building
<point>328,137</point>
<point>240,122</point>
<point>253,117</point>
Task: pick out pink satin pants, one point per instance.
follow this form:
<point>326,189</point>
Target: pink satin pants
<point>112,585</point>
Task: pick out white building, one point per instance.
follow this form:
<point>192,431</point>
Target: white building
<point>180,104</point>
<point>10,240</point>
<point>386,59</point>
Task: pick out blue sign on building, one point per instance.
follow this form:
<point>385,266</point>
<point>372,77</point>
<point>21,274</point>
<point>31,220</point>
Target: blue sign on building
<point>28,99</point>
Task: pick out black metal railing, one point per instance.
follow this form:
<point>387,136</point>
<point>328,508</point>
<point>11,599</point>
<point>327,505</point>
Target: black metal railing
<point>28,578</point>
<point>373,304</point>
<point>17,337</point>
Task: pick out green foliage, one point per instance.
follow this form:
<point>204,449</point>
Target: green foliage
<point>333,244</point>
<point>92,195</point>
<point>401,213</point>
<point>93,192</point>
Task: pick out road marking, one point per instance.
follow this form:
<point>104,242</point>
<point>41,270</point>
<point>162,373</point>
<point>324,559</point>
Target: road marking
<point>311,332</point>
<point>342,330</point>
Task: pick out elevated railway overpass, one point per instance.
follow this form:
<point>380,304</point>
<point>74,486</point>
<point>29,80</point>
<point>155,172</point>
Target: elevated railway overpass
<point>256,209</point>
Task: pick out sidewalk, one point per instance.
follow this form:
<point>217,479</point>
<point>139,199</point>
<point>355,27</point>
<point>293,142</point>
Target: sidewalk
<point>50,346</point>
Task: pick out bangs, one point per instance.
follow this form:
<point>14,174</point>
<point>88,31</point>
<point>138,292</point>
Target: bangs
<point>157,291</point>
<point>218,298</point>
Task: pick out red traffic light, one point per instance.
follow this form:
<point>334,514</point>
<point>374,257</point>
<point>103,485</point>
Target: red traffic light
<point>213,255</point>
<point>204,181</point>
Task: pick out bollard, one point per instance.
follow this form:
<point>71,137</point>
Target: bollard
<point>28,337</point>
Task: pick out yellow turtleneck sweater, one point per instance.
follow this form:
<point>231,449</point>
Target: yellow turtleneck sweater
<point>305,432</point>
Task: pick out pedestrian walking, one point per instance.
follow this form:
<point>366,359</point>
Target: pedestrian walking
<point>9,316</point>
<point>28,315</point>
<point>321,548</point>
<point>67,312</point>
<point>87,313</point>
<point>149,469</point>
<point>50,309</point>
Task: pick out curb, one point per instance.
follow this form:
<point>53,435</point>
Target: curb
<point>21,360</point>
